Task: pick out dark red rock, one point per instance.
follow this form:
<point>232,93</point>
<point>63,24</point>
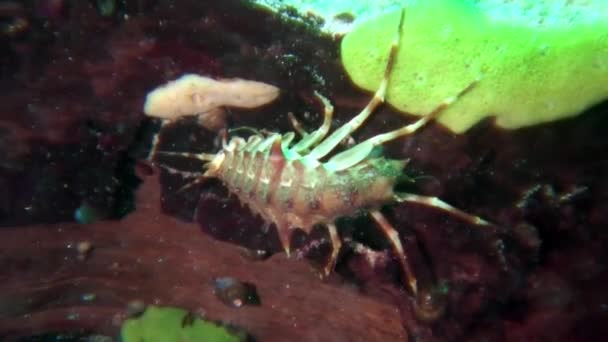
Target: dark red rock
<point>154,258</point>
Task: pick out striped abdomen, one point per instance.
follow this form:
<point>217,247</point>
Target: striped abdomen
<point>292,193</point>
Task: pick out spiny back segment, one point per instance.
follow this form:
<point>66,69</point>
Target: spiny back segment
<point>294,193</point>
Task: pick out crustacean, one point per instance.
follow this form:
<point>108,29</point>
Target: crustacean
<point>286,183</point>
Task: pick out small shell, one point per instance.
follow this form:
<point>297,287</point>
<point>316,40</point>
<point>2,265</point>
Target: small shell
<point>235,293</point>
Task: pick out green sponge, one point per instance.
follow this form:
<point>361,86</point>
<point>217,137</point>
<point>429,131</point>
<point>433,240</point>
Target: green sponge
<point>174,325</point>
<point>533,68</point>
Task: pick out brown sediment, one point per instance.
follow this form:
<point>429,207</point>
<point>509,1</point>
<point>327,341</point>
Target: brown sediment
<point>158,259</point>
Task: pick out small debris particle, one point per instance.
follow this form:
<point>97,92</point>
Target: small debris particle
<point>255,254</point>
<point>135,308</point>
<point>84,249</point>
<point>88,297</point>
<point>73,316</point>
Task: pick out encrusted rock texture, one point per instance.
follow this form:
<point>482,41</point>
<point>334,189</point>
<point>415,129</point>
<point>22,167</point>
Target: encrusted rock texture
<point>73,80</point>
<point>150,257</point>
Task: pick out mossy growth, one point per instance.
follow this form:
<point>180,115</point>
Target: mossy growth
<point>533,68</point>
<point>175,325</point>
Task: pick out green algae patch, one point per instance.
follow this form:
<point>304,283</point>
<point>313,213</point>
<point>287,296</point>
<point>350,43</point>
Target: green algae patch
<point>532,68</point>
<point>175,325</point>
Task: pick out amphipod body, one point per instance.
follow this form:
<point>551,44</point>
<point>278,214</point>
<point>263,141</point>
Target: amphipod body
<point>300,192</point>
<point>286,183</point>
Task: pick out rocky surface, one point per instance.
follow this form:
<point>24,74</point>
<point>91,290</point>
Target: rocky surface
<point>154,258</point>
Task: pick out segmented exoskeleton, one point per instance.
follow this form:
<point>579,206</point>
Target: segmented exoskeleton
<point>287,185</point>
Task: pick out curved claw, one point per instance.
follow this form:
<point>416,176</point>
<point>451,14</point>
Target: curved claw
<point>395,242</point>
<point>336,245</point>
<point>297,126</point>
<point>430,304</point>
<point>310,140</point>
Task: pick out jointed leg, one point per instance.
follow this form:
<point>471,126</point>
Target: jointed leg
<point>156,141</point>
<point>197,181</point>
<point>357,153</point>
<point>336,244</point>
<point>199,156</point>
<point>439,204</point>
<point>252,130</point>
<point>393,238</point>
<point>154,149</point>
<point>411,128</point>
<point>310,140</point>
<point>297,126</point>
<point>184,174</point>
<point>199,177</point>
<point>285,238</point>
<point>347,129</point>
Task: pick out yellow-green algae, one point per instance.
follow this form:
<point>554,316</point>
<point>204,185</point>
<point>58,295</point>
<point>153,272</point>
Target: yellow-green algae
<point>169,324</point>
<point>532,68</point>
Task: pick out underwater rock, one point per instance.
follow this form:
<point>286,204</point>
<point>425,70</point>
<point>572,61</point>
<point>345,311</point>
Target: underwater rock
<point>42,296</point>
